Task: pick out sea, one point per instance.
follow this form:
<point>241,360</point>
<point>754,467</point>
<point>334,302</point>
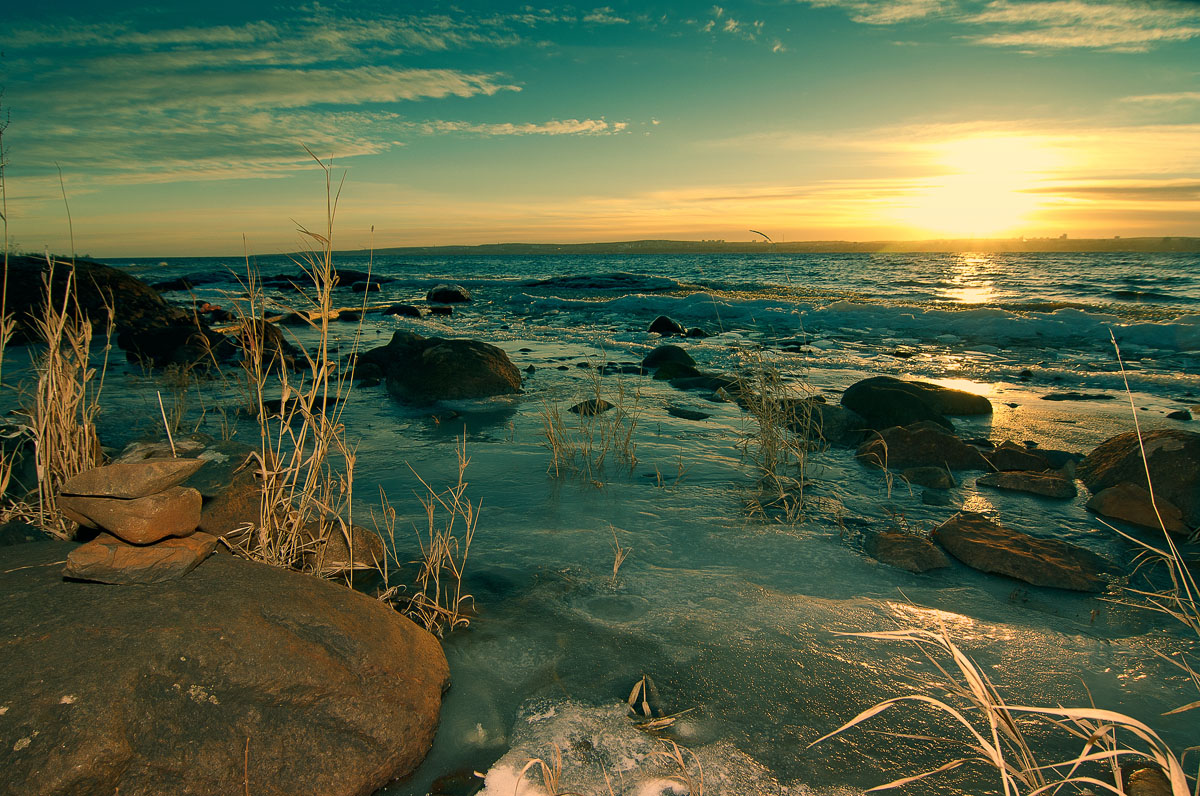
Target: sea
<point>743,624</point>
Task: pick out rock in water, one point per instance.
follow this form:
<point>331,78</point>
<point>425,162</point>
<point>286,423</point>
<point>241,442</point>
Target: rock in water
<point>448,294</point>
<point>667,354</point>
<point>906,551</point>
<point>990,547</point>
<point>920,445</point>
<point>592,406</point>
<point>106,559</point>
<point>1174,459</point>
<point>666,327</point>
<point>884,402</point>
<point>173,512</point>
<point>422,370</point>
<point>1131,503</point>
<point>131,479</point>
<point>1044,484</point>
<point>239,669</point>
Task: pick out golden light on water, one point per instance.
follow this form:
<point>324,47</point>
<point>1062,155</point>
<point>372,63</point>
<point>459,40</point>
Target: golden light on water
<point>970,282</point>
<point>985,190</point>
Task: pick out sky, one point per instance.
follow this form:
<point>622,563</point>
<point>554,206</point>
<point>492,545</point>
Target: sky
<point>181,130</point>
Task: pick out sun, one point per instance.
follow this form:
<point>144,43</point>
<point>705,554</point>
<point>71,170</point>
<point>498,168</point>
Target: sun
<point>983,188</point>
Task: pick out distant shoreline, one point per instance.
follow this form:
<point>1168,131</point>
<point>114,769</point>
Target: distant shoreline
<point>987,246</point>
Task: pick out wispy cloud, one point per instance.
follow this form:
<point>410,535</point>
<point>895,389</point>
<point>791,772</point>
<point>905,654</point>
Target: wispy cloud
<point>1115,25</point>
<point>555,127</point>
<point>1176,98</point>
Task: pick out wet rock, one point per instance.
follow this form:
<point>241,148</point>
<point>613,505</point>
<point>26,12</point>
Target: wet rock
<point>907,551</point>
<point>675,370</point>
<point>107,559</point>
<point>448,294</point>
<point>260,335</point>
<point>1010,456</point>
<point>705,382</point>
<point>1131,503</point>
<point>666,327</point>
<point>686,414</point>
<point>349,316</point>
<point>364,286</point>
<point>1145,781</point>
<point>935,497</point>
<point>131,479</point>
<point>238,673</point>
<point>403,311</point>
<point>932,477</point>
<point>1035,483</point>
<point>990,547</point>
<point>1077,396</point>
<point>444,312</point>
<point>919,445</point>
<point>667,354</point>
<point>1173,456</point>
<point>884,402</point>
<point>422,370</point>
<point>173,512</point>
<point>232,511</point>
<point>697,332</point>
<point>1179,414</point>
<point>592,406</point>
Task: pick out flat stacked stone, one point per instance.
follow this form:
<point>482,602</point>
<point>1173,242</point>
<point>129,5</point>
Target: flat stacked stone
<point>148,522</point>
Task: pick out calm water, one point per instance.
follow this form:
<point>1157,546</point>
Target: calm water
<point>735,616</point>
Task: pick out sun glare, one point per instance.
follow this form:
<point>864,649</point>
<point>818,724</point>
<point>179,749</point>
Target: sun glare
<point>983,190</point>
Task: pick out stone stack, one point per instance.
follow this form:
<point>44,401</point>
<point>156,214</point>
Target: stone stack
<point>147,522</point>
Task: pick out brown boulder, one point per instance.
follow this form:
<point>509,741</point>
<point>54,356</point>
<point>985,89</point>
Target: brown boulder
<point>228,512</point>
<point>422,370</point>
<point>1131,503</point>
<point>1174,459</point>
<point>932,477</point>
<point>239,677</point>
<point>919,445</point>
<point>131,479</point>
<point>885,401</point>
<point>906,551</point>
<point>1010,456</point>
<point>106,559</point>
<point>145,520</point>
<point>990,547</point>
<point>331,556</point>
<point>1044,484</point>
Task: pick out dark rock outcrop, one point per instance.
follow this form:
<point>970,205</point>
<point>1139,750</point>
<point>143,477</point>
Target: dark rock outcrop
<point>1173,456</point>
<point>239,676</point>
<point>667,354</point>
<point>403,311</point>
<point>1010,456</point>
<point>919,445</point>
<point>884,402</point>
<point>592,406</point>
<point>990,547</point>
<point>422,370</point>
<point>146,326</point>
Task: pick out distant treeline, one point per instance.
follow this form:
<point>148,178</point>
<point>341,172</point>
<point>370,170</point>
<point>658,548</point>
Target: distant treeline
<point>1171,244</point>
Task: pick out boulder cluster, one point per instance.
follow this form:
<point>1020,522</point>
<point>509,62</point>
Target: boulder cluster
<point>146,521</point>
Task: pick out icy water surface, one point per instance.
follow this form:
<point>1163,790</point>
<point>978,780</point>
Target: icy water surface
<point>737,616</point>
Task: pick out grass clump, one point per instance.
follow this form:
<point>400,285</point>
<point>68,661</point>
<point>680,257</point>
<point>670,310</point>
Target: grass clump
<point>598,432</point>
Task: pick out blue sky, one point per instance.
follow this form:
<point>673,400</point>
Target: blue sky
<point>179,131</point>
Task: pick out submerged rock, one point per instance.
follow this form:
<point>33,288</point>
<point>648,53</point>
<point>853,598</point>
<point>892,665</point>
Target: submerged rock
<point>403,311</point>
<point>990,547</point>
<point>1173,456</point>
<point>239,673</point>
<point>423,370</point>
<point>592,406</point>
<point>932,477</point>
<point>1035,483</point>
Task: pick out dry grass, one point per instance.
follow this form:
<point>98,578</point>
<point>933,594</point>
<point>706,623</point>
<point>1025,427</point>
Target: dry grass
<point>619,555</point>
<point>584,444</point>
<point>996,733</point>
<point>304,461</point>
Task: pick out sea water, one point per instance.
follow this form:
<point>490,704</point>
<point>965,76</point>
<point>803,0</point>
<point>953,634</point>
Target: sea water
<point>736,616</point>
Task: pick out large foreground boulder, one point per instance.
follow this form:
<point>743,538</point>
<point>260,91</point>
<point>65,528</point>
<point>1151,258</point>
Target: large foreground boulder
<point>238,678</point>
<point>422,370</point>
<point>1174,460</point>
<point>990,547</point>
<point>884,401</point>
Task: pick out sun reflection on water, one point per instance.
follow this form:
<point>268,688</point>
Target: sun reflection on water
<point>970,282</point>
